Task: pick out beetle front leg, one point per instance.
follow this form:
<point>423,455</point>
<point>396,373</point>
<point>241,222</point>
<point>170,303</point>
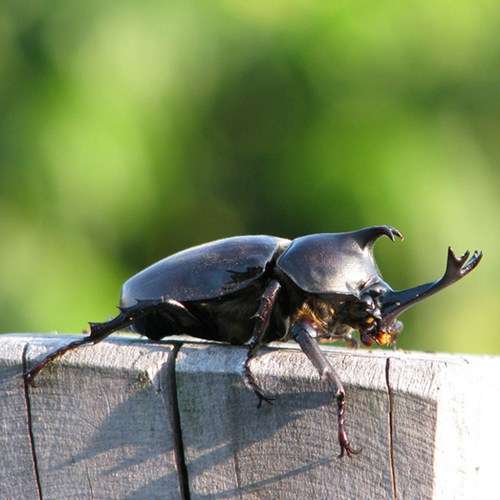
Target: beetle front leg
<point>303,333</point>
<point>262,319</point>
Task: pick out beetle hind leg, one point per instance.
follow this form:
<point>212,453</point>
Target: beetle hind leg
<point>30,375</point>
<point>262,318</point>
<point>99,331</point>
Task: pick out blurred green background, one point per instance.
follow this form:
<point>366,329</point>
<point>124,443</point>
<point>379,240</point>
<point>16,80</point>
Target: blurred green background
<point>130,130</point>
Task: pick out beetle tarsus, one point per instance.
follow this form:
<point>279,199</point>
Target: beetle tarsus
<point>250,382</point>
<point>262,397</point>
<point>262,318</point>
<point>30,375</point>
<point>345,445</point>
<point>98,332</point>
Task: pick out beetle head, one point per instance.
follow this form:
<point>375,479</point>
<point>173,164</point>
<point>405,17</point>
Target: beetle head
<point>383,334</point>
<point>382,306</point>
<point>366,314</point>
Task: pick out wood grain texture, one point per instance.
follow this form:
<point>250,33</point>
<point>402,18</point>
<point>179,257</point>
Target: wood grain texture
<point>446,412</point>
<point>428,425</point>
<point>17,473</point>
<point>102,422</point>
<point>289,449</point>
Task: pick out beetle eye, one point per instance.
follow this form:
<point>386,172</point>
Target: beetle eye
<point>369,320</point>
<point>368,300</point>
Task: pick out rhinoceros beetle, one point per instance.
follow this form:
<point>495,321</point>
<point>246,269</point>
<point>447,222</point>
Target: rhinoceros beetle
<point>257,289</point>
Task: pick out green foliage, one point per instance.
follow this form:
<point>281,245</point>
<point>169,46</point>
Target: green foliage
<point>130,130</point>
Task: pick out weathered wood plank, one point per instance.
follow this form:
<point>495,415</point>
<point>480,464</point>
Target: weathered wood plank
<point>428,424</point>
<point>17,472</point>
<point>102,422</point>
<point>289,449</point>
<point>445,425</point>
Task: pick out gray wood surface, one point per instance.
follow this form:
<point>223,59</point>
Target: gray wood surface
<point>427,423</point>
<point>289,449</point>
<point>17,472</point>
<point>102,421</point>
<point>105,423</point>
<point>445,425</point>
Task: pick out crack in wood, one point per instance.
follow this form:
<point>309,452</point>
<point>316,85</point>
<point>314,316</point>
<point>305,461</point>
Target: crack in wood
<point>391,429</point>
<point>89,483</point>
<point>180,459</point>
<point>30,422</point>
<point>237,472</point>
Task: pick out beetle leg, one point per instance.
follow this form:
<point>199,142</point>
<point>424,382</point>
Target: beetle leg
<point>351,341</point>
<point>343,332</point>
<point>30,375</point>
<point>99,331</point>
<point>262,319</point>
<point>348,338</point>
<point>303,332</point>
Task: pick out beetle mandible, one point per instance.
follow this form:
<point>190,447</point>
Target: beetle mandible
<point>257,289</point>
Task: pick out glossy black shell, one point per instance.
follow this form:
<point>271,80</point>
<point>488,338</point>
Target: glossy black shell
<point>206,271</point>
<point>330,263</point>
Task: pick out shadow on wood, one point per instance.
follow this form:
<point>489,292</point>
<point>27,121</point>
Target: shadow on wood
<point>131,419</point>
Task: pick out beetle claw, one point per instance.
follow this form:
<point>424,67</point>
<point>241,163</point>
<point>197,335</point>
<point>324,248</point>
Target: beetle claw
<point>346,449</point>
<point>262,397</point>
<point>345,446</point>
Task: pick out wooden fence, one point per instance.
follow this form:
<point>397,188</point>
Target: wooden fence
<point>135,420</point>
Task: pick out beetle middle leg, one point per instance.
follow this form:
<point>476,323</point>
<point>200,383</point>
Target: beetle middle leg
<point>262,319</point>
<point>344,333</point>
<point>303,333</point>
<point>348,338</point>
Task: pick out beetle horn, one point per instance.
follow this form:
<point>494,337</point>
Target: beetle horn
<point>394,303</point>
<point>367,237</point>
